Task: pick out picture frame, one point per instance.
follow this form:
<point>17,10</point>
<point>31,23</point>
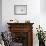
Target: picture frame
<point>20,9</point>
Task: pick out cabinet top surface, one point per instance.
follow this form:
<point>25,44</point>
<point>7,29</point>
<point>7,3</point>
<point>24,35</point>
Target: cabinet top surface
<point>19,23</point>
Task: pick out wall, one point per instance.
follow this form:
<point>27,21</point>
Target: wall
<point>0,15</point>
<point>43,14</point>
<point>34,14</point>
<point>43,6</point>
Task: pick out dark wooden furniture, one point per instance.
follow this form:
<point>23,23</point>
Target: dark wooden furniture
<point>22,33</point>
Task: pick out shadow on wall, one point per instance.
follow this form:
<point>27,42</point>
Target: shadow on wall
<point>43,6</point>
<point>0,15</point>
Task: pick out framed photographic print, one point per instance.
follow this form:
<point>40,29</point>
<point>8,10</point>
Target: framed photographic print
<point>20,9</point>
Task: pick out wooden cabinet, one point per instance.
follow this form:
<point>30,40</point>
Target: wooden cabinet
<point>22,33</point>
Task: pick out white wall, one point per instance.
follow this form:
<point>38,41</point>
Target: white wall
<point>43,6</point>
<point>43,14</point>
<point>0,15</point>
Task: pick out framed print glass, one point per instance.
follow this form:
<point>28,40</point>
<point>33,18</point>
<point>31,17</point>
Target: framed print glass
<point>20,9</point>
